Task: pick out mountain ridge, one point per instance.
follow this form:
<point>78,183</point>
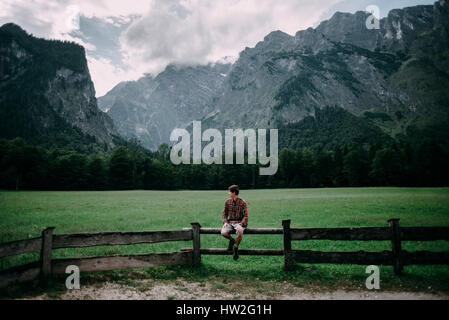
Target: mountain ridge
<point>149,108</point>
<point>316,69</point>
<point>392,78</point>
<point>48,97</point>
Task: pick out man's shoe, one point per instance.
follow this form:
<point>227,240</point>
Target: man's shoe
<point>231,244</point>
<point>236,253</point>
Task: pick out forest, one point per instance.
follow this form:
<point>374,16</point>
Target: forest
<point>129,167</point>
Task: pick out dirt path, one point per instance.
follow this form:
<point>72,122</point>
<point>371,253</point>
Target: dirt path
<point>184,290</point>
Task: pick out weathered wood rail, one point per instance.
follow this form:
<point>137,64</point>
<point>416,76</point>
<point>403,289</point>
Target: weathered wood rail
<point>47,265</point>
<point>397,257</point>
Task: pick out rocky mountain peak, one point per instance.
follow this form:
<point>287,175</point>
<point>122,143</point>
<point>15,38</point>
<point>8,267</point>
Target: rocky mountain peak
<point>349,28</point>
<point>385,80</point>
<point>274,41</point>
<point>13,28</point>
<point>148,109</point>
<point>441,12</point>
<point>47,95</point>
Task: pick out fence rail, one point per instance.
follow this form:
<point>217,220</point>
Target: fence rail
<point>424,233</point>
<point>357,257</point>
<point>397,257</point>
<point>115,262</point>
<point>370,258</point>
<point>47,265</point>
<point>118,238</point>
<point>245,252</point>
<point>364,234</point>
<point>19,247</point>
<point>247,231</point>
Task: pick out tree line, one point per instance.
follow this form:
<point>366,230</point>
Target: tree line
<point>129,166</point>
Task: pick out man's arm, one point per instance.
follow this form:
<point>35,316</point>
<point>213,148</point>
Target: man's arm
<point>244,221</point>
<point>224,215</point>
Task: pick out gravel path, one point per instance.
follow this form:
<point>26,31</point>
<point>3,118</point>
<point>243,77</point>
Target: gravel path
<point>185,290</point>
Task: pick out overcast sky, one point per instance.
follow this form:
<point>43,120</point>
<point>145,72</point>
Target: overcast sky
<point>125,39</point>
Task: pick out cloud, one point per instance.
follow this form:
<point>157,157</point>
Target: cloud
<point>106,74</point>
<point>154,33</point>
<point>125,39</point>
<point>61,20</point>
<point>201,31</point>
<point>384,6</point>
<point>53,19</point>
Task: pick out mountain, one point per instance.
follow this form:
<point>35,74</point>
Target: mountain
<point>338,84</point>
<point>150,108</point>
<point>394,80</point>
<point>47,96</point>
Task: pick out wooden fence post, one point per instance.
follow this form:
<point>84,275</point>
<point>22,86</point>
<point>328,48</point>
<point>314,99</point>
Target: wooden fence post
<point>396,245</point>
<point>288,263</point>
<point>47,245</point>
<point>196,244</point>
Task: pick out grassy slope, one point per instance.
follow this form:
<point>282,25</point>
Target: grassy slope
<point>25,214</point>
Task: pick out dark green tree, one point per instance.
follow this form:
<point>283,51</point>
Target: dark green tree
<point>97,172</point>
<point>288,166</point>
<point>387,168</point>
<point>356,167</point>
<point>324,166</point>
<point>70,172</point>
<point>17,160</point>
<point>121,169</point>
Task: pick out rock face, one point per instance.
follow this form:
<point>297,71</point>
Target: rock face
<point>149,109</point>
<point>386,83</point>
<point>47,96</point>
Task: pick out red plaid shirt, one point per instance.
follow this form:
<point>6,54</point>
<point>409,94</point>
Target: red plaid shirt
<point>235,212</point>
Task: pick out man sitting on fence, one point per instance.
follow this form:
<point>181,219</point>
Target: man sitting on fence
<point>235,217</point>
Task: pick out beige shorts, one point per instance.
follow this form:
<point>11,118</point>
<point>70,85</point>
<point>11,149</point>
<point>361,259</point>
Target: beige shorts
<point>230,227</point>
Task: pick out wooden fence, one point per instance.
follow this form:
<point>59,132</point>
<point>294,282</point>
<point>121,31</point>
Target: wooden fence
<point>47,266</point>
<point>396,257</point>
<point>48,241</point>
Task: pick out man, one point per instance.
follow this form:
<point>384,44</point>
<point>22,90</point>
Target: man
<point>235,217</point>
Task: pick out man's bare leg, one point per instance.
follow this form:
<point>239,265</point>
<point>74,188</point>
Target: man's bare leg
<point>238,239</point>
<point>227,236</point>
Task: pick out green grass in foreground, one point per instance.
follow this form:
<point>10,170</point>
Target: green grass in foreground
<point>25,214</point>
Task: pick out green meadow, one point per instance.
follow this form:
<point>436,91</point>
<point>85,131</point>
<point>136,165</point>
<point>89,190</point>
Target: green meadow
<point>25,214</point>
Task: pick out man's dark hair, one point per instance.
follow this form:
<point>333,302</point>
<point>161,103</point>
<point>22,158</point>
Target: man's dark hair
<point>234,189</point>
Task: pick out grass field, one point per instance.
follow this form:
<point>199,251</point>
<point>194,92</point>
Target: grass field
<point>25,214</point>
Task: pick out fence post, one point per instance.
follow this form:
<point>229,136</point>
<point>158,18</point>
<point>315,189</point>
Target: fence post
<point>288,263</point>
<point>396,245</point>
<point>196,244</point>
<point>47,244</point>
